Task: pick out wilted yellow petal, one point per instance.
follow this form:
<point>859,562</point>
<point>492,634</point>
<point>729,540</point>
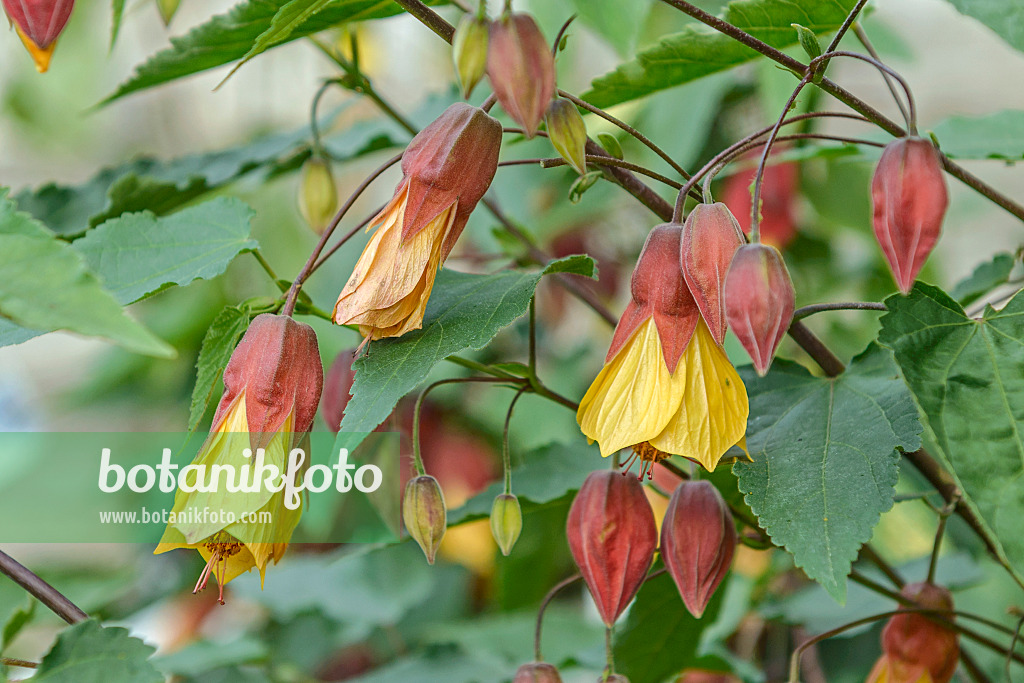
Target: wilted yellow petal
<point>388,291</point>
<point>712,416</point>
<point>634,395</point>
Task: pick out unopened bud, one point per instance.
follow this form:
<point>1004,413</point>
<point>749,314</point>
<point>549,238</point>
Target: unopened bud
<point>537,672</point>
<point>522,69</point>
<point>698,539</point>
<point>759,301</point>
<point>567,132</point>
<point>318,195</point>
<point>168,8</point>
<point>424,513</point>
<point>39,23</point>
<point>506,521</point>
<point>612,536</point>
<point>908,193</point>
<point>912,639</point>
<point>711,236</point>
<point>469,51</point>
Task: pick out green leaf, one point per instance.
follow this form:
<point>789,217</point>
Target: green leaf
<point>292,15</point>
<point>18,617</point>
<point>660,637</point>
<point>203,656</point>
<point>45,286</point>
<point>117,11</point>
<point>90,653</point>
<point>465,312</point>
<point>138,254</point>
<point>995,136</point>
<point>967,377</point>
<point>985,277</point>
<point>1005,17</point>
<point>699,50</point>
<point>824,460</point>
<point>547,474</point>
<point>218,345</point>
<point>228,37</point>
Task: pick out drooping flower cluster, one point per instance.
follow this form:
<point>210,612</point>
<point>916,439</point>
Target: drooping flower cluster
<point>447,169</point>
<point>272,387</point>
<point>667,387</point>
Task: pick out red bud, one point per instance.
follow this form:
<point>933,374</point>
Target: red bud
<point>277,365</point>
<point>702,676</point>
<point>522,69</point>
<point>913,639</point>
<point>537,672</point>
<point>908,192</point>
<point>453,159</point>
<point>711,237</point>
<point>612,536</point>
<point>659,290</point>
<point>425,514</point>
<point>698,539</point>
<point>39,22</point>
<point>337,387</point>
<point>759,301</point>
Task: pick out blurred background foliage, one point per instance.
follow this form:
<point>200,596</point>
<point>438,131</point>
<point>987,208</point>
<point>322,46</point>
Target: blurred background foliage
<point>381,614</point>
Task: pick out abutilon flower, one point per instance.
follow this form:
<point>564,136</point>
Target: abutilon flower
<point>916,648</point>
<point>272,387</point>
<point>612,535</point>
<point>39,23</point>
<point>759,301</point>
<point>698,539</point>
<point>711,237</point>
<point>908,193</point>
<point>522,69</point>
<point>447,168</point>
<point>666,387</point>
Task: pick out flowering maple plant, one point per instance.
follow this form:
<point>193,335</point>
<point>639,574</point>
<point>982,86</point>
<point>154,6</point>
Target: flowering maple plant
<point>786,447</point>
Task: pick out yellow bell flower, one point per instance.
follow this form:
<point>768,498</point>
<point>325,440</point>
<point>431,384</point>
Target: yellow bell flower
<point>666,388</point>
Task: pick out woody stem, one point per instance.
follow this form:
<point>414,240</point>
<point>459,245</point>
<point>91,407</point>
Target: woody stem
<point>300,279</point>
<point>53,599</point>
<point>20,663</point>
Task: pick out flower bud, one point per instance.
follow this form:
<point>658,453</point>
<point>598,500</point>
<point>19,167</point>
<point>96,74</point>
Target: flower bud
<point>612,536</point>
<point>167,8</point>
<point>908,193</point>
<point>522,69</point>
<point>711,237</point>
<point>318,195</point>
<point>277,367</point>
<point>698,539</point>
<point>506,521</point>
<point>469,51</point>
<point>914,640</point>
<point>567,132</point>
<point>39,23</point>
<point>537,672</point>
<point>759,300</point>
<point>337,387</point>
<point>424,513</point>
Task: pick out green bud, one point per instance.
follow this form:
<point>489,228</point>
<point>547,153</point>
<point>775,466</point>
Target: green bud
<point>808,41</point>
<point>424,513</point>
<point>318,196</point>
<point>506,521</point>
<point>610,144</point>
<point>568,133</point>
<point>582,184</point>
<point>469,51</point>
<point>167,9</point>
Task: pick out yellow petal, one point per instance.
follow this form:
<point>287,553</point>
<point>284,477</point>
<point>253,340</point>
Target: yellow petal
<point>712,416</point>
<point>633,397</point>
<point>40,55</point>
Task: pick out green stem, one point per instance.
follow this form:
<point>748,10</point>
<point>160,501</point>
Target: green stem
<point>543,607</point>
<point>506,456</point>
<point>806,311</point>
<point>258,255</point>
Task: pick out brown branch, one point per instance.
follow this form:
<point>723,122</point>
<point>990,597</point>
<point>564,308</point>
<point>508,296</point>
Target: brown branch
<point>53,599</point>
